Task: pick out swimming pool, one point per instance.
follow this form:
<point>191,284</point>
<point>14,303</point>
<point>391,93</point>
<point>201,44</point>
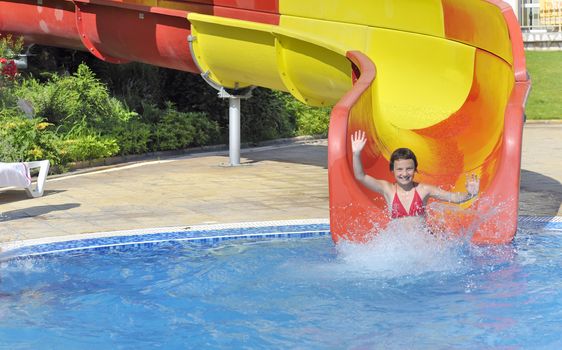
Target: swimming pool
<point>283,286</point>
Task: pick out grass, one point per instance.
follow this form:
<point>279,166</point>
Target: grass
<point>545,99</point>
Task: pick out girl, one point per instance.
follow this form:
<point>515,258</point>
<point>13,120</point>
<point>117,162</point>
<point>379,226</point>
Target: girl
<point>405,197</point>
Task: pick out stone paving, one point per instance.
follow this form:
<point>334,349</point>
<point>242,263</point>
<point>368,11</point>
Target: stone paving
<point>541,170</point>
<point>287,181</point>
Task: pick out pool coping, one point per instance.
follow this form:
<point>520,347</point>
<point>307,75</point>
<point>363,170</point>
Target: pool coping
<point>203,233</point>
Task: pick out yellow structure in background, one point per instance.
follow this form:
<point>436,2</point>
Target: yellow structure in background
<point>550,12</point>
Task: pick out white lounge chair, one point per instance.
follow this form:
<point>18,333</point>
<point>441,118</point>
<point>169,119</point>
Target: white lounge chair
<point>17,175</point>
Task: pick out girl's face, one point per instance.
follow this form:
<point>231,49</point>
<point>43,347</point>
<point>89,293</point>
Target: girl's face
<point>404,170</point>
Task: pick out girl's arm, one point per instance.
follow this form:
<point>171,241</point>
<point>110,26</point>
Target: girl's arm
<point>358,142</point>
<point>472,189</point>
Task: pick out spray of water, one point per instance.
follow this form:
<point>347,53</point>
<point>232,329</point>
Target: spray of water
<point>405,247</point>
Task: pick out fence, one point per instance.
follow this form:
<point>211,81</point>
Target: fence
<point>541,15</point>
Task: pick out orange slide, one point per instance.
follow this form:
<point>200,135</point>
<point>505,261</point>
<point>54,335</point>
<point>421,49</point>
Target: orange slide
<point>446,78</point>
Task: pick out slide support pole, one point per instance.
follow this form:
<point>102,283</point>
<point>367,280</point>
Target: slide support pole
<point>234,130</point>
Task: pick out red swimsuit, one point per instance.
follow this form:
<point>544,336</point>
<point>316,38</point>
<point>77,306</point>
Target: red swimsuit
<point>416,208</point>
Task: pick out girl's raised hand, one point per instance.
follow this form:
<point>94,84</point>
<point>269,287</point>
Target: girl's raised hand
<point>472,184</point>
<point>358,141</point>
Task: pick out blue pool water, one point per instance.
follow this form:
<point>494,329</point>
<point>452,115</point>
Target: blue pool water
<point>401,291</point>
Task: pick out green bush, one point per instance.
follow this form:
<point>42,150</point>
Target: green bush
<point>7,97</point>
<point>23,139</point>
<point>309,120</point>
<point>91,124</point>
<point>146,89</point>
<point>178,130</point>
<point>10,47</point>
<point>133,83</point>
<point>76,104</point>
<point>264,117</point>
<point>85,121</point>
<point>128,129</point>
<point>86,147</point>
<point>133,136</point>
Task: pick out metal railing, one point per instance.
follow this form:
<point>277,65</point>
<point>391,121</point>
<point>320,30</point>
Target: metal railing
<point>540,16</point>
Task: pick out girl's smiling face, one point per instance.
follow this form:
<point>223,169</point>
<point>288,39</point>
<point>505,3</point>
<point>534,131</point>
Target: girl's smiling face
<point>404,170</point>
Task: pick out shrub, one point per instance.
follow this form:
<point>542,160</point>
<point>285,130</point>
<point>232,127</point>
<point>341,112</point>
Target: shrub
<point>178,130</point>
<point>23,139</point>
<point>264,117</point>
<point>309,120</point>
<point>133,83</point>
<point>132,136</point>
<point>7,97</point>
<point>86,122</point>
<point>10,47</point>
<point>76,104</point>
<point>86,147</point>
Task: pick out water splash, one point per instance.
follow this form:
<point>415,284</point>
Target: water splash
<point>405,247</point>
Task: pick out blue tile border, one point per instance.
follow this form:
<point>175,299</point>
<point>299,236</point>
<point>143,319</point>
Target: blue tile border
<point>553,223</point>
<point>204,234</point>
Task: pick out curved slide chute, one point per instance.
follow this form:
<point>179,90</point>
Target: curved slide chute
<point>446,78</point>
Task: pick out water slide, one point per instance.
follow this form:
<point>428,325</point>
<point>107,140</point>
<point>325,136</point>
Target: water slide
<point>446,78</point>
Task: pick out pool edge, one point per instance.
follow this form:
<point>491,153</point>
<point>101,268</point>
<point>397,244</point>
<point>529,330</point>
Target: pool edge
<point>200,232</point>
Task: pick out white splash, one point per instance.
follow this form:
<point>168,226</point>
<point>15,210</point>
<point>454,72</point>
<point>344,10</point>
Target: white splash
<point>406,247</point>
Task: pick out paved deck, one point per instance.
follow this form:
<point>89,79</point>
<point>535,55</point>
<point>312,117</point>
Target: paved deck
<point>275,183</point>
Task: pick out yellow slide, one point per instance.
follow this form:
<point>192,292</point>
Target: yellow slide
<point>444,78</point>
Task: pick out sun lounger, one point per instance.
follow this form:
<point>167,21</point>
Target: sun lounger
<point>17,175</point>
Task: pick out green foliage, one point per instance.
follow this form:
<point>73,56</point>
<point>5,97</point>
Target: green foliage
<point>545,69</point>
<point>309,120</point>
<point>82,109</point>
<point>23,139</point>
<point>86,147</point>
<point>133,136</point>
<point>74,103</point>
<point>7,97</point>
<point>123,109</point>
<point>10,47</point>
<point>81,116</point>
<point>146,89</point>
<point>263,117</point>
<point>177,130</point>
<point>133,83</point>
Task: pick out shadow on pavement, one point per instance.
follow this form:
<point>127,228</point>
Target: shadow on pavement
<point>20,195</point>
<point>34,211</point>
<point>316,155</point>
<point>540,195</point>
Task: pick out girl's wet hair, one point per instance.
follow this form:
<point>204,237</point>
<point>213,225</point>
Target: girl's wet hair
<point>403,153</point>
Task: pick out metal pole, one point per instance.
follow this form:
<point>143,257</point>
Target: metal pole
<point>234,130</point>
<point>558,19</point>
